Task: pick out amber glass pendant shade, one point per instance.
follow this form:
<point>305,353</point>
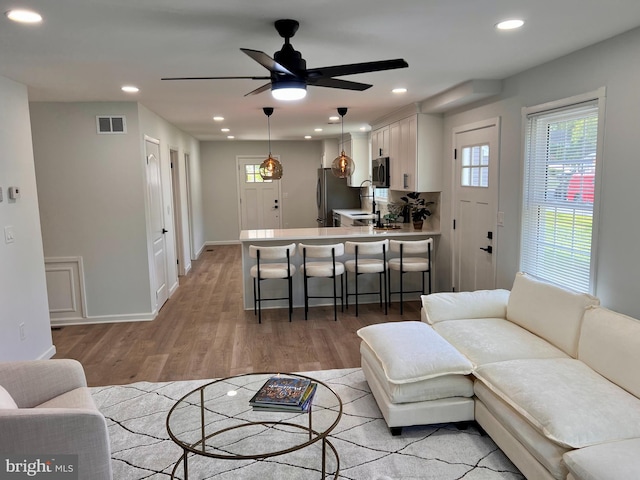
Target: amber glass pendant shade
<point>270,168</point>
<point>342,166</point>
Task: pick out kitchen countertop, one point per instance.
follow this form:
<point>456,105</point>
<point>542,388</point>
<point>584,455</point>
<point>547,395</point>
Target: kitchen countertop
<point>319,233</point>
<point>355,214</point>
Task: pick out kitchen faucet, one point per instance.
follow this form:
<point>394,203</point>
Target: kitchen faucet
<point>378,222</point>
<point>373,196</point>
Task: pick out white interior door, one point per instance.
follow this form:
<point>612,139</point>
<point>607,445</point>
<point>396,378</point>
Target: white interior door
<point>260,203</point>
<point>475,206</point>
<point>158,231</point>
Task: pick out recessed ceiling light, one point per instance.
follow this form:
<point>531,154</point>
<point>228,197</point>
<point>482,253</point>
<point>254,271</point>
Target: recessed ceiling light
<point>130,89</point>
<point>230,137</point>
<point>307,137</point>
<point>317,129</point>
<point>510,24</point>
<point>24,16</point>
<point>399,90</point>
<point>218,118</point>
<point>224,130</point>
<point>363,129</point>
<point>334,119</point>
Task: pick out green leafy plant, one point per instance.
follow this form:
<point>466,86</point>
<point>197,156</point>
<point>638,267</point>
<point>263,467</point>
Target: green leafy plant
<point>419,206</point>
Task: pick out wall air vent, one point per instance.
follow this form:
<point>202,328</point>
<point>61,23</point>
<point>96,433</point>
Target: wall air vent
<point>111,124</point>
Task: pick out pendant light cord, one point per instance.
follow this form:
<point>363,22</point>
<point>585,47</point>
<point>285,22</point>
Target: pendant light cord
<point>269,128</point>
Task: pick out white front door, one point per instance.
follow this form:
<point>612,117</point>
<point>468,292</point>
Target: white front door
<point>475,206</point>
<point>158,231</point>
<point>260,205</point>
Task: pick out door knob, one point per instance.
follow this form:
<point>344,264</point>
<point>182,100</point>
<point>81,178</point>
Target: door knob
<point>489,249</point>
<point>164,230</point>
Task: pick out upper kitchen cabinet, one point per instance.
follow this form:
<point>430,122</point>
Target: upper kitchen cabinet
<point>358,149</point>
<point>330,150</point>
<point>380,142</point>
<point>415,155</point>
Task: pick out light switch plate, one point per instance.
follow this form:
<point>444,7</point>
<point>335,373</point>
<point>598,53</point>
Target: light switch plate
<point>9,234</point>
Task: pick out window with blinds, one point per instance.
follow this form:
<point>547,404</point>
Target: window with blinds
<point>559,194</point>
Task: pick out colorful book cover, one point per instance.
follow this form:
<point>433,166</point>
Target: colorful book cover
<point>303,407</point>
<point>281,391</point>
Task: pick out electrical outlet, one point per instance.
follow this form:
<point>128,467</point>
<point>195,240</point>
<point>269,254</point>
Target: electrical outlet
<point>23,333</point>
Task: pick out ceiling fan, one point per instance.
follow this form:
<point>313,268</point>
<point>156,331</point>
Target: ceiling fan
<point>289,75</point>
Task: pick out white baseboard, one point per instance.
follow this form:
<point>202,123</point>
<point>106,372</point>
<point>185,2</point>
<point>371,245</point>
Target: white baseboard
<point>132,317</point>
<point>48,353</point>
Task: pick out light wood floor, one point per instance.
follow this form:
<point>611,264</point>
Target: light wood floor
<point>203,332</point>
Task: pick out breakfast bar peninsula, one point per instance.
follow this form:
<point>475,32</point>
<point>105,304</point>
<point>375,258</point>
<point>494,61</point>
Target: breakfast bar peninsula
<point>318,236</point>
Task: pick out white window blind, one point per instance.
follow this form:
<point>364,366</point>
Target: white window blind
<point>559,191</point>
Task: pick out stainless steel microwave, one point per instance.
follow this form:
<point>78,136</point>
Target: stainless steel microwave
<point>380,172</point>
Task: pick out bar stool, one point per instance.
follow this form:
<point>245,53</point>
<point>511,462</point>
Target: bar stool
<point>406,264</point>
<point>324,269</point>
<point>361,265</point>
<point>274,270</point>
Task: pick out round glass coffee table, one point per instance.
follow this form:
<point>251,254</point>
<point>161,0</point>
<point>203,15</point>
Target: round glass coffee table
<point>216,421</point>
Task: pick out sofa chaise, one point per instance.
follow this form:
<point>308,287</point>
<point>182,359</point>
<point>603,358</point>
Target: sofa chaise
<point>551,376</point>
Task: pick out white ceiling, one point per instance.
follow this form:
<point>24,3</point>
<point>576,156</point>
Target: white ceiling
<point>85,50</point>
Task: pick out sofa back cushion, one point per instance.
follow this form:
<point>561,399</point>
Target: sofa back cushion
<point>439,307</point>
<point>610,345</point>
<point>550,312</point>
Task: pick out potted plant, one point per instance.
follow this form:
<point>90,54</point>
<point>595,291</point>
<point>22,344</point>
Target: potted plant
<point>419,210</point>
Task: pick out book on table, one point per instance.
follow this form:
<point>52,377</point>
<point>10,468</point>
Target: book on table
<point>291,394</point>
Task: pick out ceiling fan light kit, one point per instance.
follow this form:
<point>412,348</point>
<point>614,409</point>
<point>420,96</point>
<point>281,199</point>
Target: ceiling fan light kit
<point>342,166</point>
<point>289,90</point>
<point>288,73</point>
<point>270,168</point>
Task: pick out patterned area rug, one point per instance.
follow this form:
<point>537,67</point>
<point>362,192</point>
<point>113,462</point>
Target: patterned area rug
<point>141,448</point>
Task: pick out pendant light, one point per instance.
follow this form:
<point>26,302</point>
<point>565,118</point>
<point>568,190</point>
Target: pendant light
<point>342,166</point>
<point>270,168</point>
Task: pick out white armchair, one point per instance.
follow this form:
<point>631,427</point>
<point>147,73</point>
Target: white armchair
<point>55,414</point>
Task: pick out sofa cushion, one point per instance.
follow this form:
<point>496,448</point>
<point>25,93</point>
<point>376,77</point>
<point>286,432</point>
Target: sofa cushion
<point>550,312</point>
<point>487,340</point>
<point>565,399</point>
<point>413,351</point>
<point>610,344</point>
<point>77,398</point>
<point>545,451</point>
<point>609,461</point>
<point>439,307</point>
<point>445,386</point>
<point>6,400</point>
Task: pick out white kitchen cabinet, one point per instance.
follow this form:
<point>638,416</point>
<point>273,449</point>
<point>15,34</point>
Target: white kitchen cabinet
<point>380,142</point>
<point>358,145</point>
<point>415,158</point>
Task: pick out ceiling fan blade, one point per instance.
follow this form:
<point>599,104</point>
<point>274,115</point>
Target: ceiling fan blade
<point>266,61</point>
<point>353,68</point>
<point>337,83</point>
<point>258,90</point>
<point>215,78</point>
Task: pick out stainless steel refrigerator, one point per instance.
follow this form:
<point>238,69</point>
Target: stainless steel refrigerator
<point>333,193</point>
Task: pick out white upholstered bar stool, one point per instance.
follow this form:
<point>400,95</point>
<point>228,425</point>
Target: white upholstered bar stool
<point>266,269</point>
<point>328,268</point>
<point>364,262</point>
<point>410,260</point>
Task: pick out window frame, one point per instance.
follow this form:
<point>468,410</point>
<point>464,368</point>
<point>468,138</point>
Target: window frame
<point>597,97</point>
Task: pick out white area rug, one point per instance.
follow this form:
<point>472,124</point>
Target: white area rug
<point>141,448</point>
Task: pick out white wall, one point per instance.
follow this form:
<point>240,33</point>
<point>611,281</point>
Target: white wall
<point>300,162</point>
<point>611,64</point>
<point>92,197</point>
<point>23,293</point>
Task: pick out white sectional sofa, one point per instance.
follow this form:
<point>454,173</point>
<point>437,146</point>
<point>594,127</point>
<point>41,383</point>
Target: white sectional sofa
<point>555,377</point>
